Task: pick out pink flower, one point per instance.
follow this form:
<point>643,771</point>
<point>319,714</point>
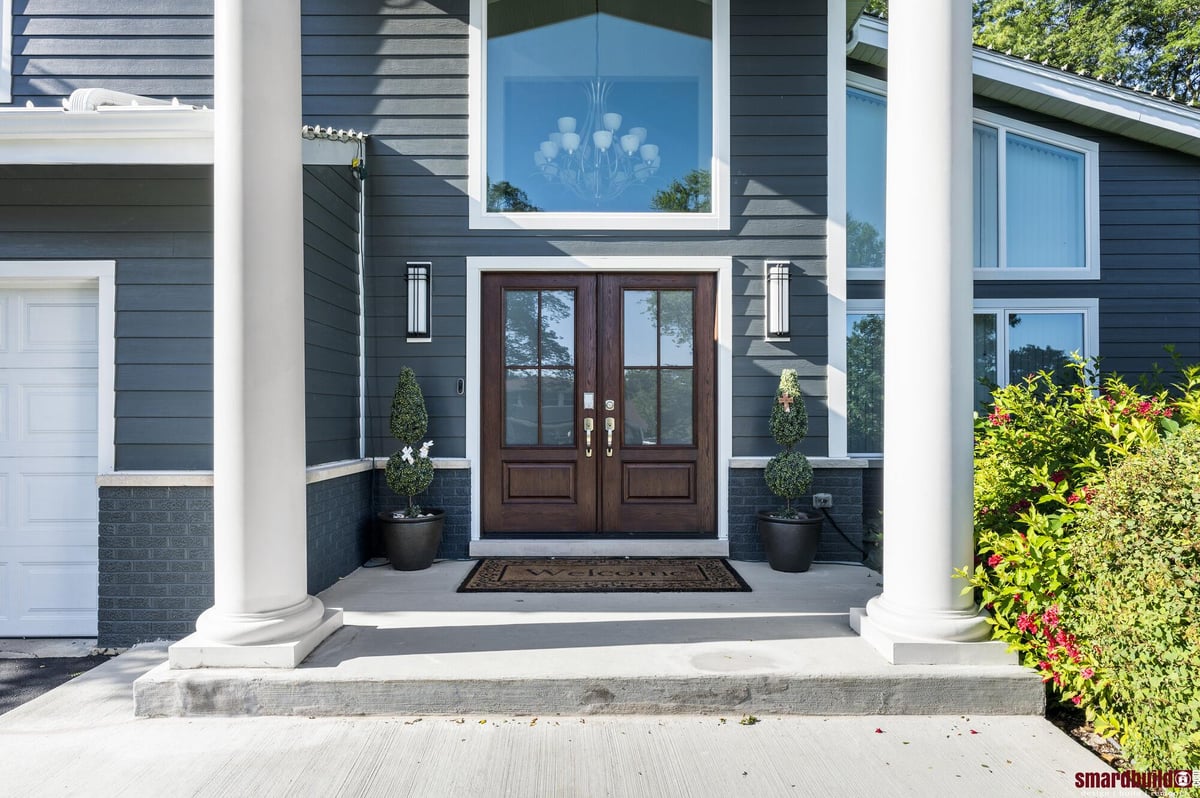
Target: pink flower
<point>1076,700</point>
<point>1026,623</point>
<point>1144,408</point>
<point>1087,673</point>
<point>995,560</point>
<point>1050,616</point>
<point>1058,476</point>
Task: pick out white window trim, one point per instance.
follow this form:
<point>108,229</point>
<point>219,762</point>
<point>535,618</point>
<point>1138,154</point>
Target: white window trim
<point>1003,124</point>
<point>481,219</point>
<point>1088,306</point>
<point>6,48</point>
<point>103,274</point>
<point>835,231</point>
<point>720,265</point>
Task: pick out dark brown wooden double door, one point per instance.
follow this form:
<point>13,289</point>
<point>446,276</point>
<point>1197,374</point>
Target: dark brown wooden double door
<point>598,403</point>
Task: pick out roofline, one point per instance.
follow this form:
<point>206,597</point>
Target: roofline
<point>158,133</point>
<point>1122,110</point>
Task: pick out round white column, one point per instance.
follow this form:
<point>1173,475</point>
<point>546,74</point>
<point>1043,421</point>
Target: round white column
<point>928,361</point>
<point>259,491</point>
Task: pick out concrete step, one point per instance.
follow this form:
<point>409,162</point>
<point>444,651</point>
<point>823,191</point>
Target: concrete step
<point>411,645</point>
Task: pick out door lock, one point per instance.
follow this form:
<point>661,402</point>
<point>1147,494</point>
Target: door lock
<point>589,424</point>
<point>610,424</point>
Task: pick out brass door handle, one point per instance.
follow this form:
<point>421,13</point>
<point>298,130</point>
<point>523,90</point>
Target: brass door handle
<point>588,425</point>
<point>610,424</point>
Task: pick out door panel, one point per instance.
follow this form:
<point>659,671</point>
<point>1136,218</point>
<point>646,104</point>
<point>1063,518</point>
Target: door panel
<point>641,349</point>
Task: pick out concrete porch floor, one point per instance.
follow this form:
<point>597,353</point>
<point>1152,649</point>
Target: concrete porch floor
<point>411,644</point>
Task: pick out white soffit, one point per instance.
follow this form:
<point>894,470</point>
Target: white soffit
<point>153,133</point>
<point>1063,94</point>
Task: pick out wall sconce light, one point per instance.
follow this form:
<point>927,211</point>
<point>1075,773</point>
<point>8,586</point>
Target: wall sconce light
<point>420,291</point>
<point>778,288</point>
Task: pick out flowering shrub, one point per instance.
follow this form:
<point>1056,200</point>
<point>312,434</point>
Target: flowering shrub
<point>1040,455</point>
<point>1137,565</point>
<point>406,473</point>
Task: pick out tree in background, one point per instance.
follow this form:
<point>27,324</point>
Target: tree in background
<point>692,194</point>
<point>1150,44</point>
<point>504,196</point>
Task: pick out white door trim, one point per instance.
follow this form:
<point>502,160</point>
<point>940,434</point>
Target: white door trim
<point>720,265</point>
<point>103,273</point>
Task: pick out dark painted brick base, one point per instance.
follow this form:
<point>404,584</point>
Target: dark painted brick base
<point>451,490</point>
<point>339,528</point>
<point>156,563</point>
<point>748,494</point>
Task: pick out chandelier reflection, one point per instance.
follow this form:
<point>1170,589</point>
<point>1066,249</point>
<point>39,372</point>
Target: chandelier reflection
<point>595,160</point>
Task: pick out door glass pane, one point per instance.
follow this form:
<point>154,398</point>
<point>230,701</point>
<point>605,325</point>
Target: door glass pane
<point>521,407</point>
<point>866,162</point>
<point>1044,205</point>
<point>641,407</point>
<point>641,328</point>
<point>986,205</point>
<point>677,406</point>
<point>520,328</point>
<point>599,107</point>
<point>864,382</point>
<point>558,407</point>
<point>558,328</point>
<point>985,359</point>
<point>1042,341</point>
<point>675,328</point>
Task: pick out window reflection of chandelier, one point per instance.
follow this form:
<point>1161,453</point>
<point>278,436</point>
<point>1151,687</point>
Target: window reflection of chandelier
<point>601,162</point>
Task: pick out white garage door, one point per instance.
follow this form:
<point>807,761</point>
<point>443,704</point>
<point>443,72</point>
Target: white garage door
<point>48,499</point>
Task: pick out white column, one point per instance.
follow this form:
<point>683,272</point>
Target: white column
<point>922,614</point>
<point>262,615</point>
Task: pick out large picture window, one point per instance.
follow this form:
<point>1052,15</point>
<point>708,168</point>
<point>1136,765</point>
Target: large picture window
<point>1035,203</point>
<point>598,110</point>
<point>1013,338</point>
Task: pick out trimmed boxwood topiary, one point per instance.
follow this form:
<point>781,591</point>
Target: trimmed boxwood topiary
<point>409,471</point>
<point>1137,573</point>
<point>788,474</point>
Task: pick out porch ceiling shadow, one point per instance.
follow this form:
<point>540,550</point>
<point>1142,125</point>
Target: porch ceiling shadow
<point>353,642</point>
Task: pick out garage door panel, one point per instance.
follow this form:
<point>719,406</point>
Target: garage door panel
<point>56,323</point>
<point>48,494</point>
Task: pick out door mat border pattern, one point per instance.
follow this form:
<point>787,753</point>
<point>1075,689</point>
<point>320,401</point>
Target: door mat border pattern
<point>491,575</point>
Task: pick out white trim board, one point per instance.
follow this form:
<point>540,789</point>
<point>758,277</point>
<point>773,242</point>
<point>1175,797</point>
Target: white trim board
<point>6,47</point>
<point>165,135</point>
<point>103,274</point>
<point>720,265</point>
<point>835,234</point>
<point>481,219</point>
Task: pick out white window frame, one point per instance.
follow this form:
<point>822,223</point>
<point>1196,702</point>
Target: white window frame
<point>1089,307</point>
<point>6,48</point>
<point>481,219</point>
<point>1090,150</point>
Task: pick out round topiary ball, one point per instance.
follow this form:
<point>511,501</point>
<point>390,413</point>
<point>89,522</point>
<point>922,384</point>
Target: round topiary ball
<point>409,479</point>
<point>788,475</point>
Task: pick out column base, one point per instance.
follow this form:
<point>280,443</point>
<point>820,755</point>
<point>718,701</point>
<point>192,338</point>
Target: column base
<point>197,651</point>
<point>901,649</point>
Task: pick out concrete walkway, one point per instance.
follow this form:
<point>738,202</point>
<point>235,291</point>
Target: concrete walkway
<point>411,644</point>
<point>82,739</point>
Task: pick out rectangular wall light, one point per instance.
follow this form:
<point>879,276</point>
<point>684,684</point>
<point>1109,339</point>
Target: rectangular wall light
<point>778,289</point>
<point>420,295</point>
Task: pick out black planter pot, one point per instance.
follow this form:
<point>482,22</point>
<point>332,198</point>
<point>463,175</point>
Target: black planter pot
<point>411,543</point>
<point>791,543</point>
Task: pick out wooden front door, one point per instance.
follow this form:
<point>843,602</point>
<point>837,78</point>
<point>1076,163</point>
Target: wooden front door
<point>562,352</point>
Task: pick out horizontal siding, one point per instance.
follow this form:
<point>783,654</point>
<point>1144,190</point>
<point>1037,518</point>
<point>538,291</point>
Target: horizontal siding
<point>399,72</point>
<point>331,314</point>
<point>158,48</point>
<point>156,223</point>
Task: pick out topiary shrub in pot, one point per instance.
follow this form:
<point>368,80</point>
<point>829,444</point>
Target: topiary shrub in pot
<point>789,534</point>
<point>412,535</point>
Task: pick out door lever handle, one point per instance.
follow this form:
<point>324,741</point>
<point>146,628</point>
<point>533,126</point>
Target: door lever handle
<point>588,425</point>
<point>610,424</point>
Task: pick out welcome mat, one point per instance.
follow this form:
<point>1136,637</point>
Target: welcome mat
<point>603,575</point>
